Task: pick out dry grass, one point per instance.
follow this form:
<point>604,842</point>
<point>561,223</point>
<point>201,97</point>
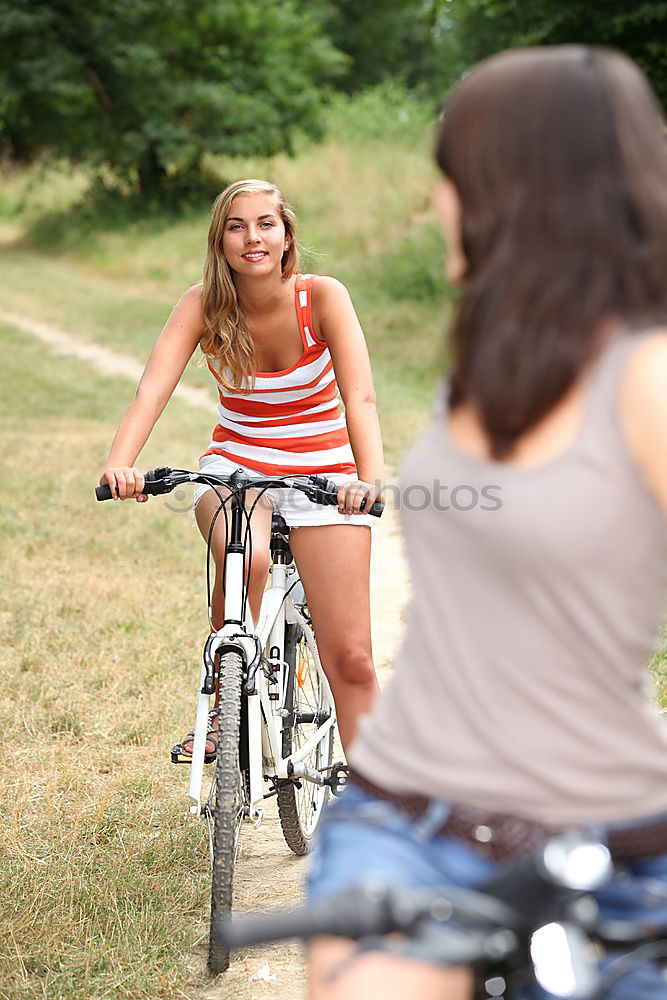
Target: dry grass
<point>104,876</point>
<point>104,879</point>
<point>362,197</point>
<point>102,616</point>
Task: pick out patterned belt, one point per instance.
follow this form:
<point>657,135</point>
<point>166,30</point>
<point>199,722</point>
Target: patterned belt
<point>502,837</point>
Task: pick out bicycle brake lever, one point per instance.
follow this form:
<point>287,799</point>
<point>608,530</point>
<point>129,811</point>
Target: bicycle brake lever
<point>162,472</point>
<point>326,492</point>
<point>249,684</point>
<point>208,686</point>
<point>159,486</point>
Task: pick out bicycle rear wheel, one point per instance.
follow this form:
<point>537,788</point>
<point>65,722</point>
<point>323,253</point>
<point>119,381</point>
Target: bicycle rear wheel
<point>228,806</point>
<point>301,802</point>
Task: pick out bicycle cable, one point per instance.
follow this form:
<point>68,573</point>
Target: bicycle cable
<point>209,546</point>
<point>247,543</point>
<point>247,536</point>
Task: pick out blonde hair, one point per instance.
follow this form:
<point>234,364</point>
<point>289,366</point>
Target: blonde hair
<point>226,337</point>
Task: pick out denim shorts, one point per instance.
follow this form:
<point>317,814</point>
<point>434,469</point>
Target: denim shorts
<point>366,838</point>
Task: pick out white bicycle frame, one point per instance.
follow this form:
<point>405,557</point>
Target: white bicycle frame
<point>266,708</point>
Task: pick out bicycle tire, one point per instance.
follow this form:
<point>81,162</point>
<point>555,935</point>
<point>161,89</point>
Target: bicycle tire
<point>301,804</point>
<point>228,809</point>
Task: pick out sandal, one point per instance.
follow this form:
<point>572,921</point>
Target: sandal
<point>181,756</point>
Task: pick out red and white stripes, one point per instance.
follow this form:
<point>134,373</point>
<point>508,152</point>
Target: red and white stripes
<point>290,421</point>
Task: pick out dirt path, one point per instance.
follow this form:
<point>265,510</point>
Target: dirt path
<point>104,360</point>
<point>268,875</point>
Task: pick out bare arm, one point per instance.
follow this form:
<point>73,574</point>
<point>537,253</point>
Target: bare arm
<point>173,349</point>
<point>340,328</point>
<point>644,413</point>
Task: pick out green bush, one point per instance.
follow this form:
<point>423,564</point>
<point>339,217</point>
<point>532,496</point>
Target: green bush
<point>387,111</point>
<point>414,268</point>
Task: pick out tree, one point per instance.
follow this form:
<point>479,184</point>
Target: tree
<point>146,87</point>
<point>382,38</point>
<point>477,28</point>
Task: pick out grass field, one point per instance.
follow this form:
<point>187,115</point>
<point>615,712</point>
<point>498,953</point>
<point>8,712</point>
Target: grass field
<point>103,877</point>
<point>101,871</point>
<point>363,205</point>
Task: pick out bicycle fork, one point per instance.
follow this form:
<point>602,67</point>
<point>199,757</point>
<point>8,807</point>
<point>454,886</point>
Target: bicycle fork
<point>230,633</point>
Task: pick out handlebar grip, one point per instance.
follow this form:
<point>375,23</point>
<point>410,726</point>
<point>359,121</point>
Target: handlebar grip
<point>150,489</point>
<point>153,484</point>
<point>525,880</point>
<point>355,914</point>
<point>331,497</point>
<point>376,510</point>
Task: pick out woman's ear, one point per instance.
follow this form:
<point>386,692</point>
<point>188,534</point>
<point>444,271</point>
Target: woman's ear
<point>447,207</point>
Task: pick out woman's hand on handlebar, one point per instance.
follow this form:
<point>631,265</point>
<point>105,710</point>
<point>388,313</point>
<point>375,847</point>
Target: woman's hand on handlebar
<point>351,496</point>
<point>124,482</point>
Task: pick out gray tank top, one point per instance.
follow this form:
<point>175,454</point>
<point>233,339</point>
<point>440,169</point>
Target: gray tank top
<point>521,684</point>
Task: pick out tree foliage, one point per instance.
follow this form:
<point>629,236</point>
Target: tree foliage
<point>382,38</point>
<point>145,87</point>
<point>477,28</point>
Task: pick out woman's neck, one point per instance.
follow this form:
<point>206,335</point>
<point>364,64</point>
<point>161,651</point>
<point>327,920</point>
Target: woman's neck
<point>262,294</point>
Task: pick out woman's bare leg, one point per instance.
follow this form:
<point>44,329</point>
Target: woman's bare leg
<point>334,566</point>
<point>260,526</point>
<point>374,976</point>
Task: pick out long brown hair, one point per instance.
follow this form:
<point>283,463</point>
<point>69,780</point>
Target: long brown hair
<point>558,156</point>
<point>226,339</point>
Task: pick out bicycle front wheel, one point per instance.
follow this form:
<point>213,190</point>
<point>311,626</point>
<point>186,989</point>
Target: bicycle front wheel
<point>301,802</point>
<point>228,805</point>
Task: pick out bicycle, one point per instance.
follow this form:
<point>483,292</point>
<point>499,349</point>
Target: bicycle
<point>276,711</point>
<point>534,924</point>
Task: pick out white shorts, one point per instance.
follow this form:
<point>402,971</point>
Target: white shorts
<point>293,505</point>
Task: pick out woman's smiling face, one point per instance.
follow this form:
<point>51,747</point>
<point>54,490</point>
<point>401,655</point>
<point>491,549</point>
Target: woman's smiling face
<point>254,238</point>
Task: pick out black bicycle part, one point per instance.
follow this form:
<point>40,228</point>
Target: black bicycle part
<point>326,492</point>
<point>227,811</point>
<point>208,687</point>
<point>337,780</point>
<point>279,544</point>
<point>317,488</point>
<point>156,481</point>
<point>456,926</point>
<point>373,910</point>
<point>235,541</point>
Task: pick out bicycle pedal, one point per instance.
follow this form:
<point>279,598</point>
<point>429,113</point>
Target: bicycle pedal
<point>178,757</point>
<point>337,780</point>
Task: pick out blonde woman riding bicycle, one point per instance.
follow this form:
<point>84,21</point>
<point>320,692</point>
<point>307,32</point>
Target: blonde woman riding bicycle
<point>281,346</point>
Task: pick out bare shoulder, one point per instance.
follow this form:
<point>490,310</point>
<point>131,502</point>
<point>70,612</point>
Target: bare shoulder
<point>644,383</point>
<point>189,310</point>
<point>328,292</point>
<point>192,296</point>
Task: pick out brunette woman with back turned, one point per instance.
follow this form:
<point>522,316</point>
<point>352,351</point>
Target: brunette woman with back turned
<point>520,685</point>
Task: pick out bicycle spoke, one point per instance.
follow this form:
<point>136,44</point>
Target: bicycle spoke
<point>300,803</point>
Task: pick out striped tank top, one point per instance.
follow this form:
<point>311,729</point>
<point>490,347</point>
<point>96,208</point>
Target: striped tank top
<point>290,421</point>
